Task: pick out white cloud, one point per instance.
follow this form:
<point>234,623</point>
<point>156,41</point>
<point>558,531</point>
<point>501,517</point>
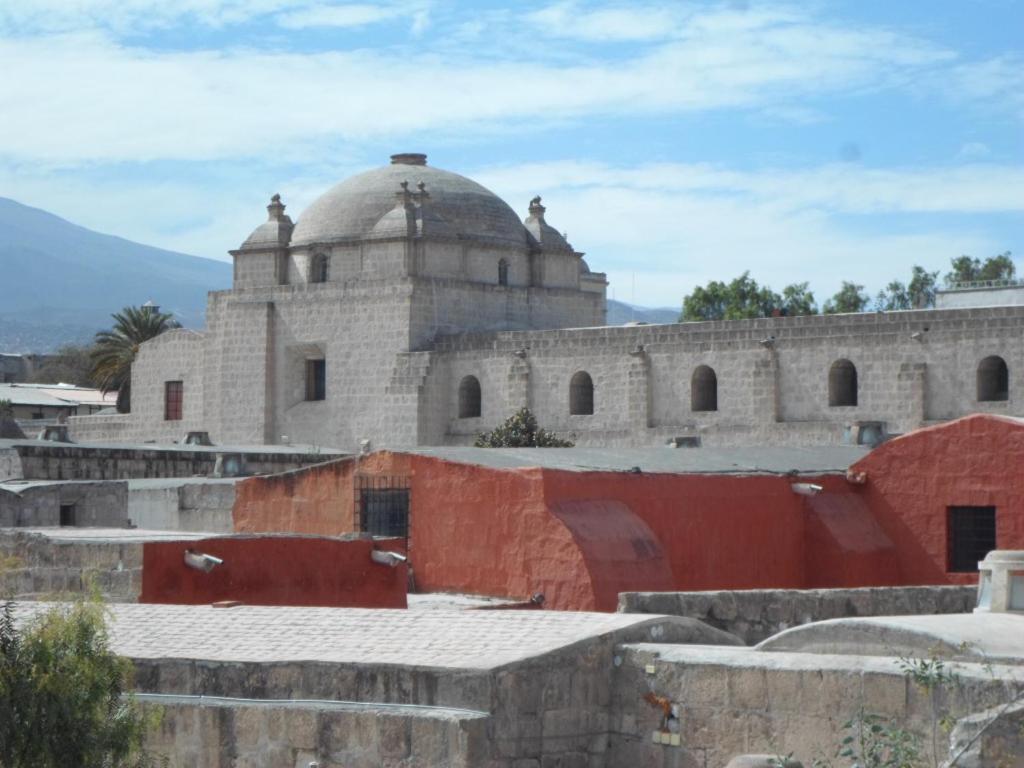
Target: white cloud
<point>129,103</point>
<point>672,226</point>
<point>348,15</point>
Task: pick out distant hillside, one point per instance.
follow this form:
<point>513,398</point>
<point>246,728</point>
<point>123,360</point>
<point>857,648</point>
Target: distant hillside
<point>619,313</point>
<point>61,282</point>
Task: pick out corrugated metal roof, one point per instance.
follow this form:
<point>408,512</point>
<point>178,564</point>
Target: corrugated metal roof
<point>780,460</point>
<point>19,395</point>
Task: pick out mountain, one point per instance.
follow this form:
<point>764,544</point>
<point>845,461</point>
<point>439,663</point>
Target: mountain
<point>61,282</point>
<point>620,313</point>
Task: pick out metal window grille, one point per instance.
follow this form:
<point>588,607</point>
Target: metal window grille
<point>174,394</point>
<point>972,535</point>
<point>316,379</point>
<point>383,505</point>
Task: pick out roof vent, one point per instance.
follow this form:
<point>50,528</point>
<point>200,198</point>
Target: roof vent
<point>409,158</point>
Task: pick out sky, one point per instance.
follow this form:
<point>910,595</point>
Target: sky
<point>673,142</point>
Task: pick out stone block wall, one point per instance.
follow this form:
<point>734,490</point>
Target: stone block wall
<point>219,732</point>
<point>756,614</point>
<point>182,507</point>
<point>102,503</point>
<point>734,702</point>
<point>41,567</point>
<point>39,460</point>
<point>772,375</point>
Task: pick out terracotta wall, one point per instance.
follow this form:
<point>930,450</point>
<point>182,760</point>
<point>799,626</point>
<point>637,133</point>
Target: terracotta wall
<point>911,480</point>
<point>581,537</point>
<point>274,570</point>
<point>717,531</point>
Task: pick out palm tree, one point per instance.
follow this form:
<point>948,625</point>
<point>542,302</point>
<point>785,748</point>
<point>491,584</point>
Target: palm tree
<point>115,350</point>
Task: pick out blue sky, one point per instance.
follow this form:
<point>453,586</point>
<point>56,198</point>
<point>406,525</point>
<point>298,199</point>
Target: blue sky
<point>674,143</point>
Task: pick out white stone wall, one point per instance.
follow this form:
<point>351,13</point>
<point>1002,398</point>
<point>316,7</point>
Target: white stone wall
<point>173,356</point>
<point>912,367</point>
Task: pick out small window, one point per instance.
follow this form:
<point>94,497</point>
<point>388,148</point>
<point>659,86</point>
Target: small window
<point>581,394</point>
<point>320,269</point>
<point>993,380</point>
<point>67,515</point>
<point>383,505</point>
<point>971,534</point>
<point>503,272</point>
<point>842,383</point>
<point>316,379</point>
<point>704,389</point>
<point>469,398</point>
<point>174,394</point>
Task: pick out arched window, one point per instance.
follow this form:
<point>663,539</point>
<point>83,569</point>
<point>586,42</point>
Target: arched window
<point>993,380</point>
<point>704,389</point>
<point>842,383</point>
<point>581,394</point>
<point>319,269</point>
<point>502,272</point>
<point>469,398</point>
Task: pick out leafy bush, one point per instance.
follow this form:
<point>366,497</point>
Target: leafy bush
<point>520,431</point>
<point>64,699</point>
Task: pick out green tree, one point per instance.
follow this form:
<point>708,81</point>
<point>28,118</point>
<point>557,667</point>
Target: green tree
<point>894,297</point>
<point>63,701</point>
<point>797,300</point>
<point>520,430</point>
<point>921,288</point>
<point>115,350</point>
<point>967,269</point>
<point>850,298</point>
<point>740,299</point>
<point>71,364</point>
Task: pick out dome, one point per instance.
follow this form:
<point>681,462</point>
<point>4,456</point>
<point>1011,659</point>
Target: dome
<point>352,209</point>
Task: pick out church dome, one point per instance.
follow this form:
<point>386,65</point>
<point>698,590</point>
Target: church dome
<point>352,209</point>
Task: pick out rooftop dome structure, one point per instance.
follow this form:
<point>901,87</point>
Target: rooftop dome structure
<point>352,209</point>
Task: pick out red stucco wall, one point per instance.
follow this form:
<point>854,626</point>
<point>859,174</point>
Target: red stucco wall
<point>274,570</point>
<point>911,480</point>
<point>574,535</point>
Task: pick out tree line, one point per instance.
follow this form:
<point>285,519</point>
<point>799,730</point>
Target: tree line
<point>743,298</point>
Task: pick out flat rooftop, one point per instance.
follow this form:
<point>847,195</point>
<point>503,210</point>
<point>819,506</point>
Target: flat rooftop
<point>444,639</point>
<point>267,450</point>
<point>827,459</point>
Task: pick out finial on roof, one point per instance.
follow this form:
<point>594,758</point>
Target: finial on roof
<point>275,211</point>
<point>409,158</point>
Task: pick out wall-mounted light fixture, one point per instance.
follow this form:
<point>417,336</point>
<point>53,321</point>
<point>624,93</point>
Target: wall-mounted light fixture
<point>201,561</point>
<point>806,489</point>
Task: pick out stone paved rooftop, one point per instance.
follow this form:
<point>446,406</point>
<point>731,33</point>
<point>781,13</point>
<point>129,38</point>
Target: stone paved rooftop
<point>995,637</point>
<point>113,535</point>
<point>434,639</point>
<point>761,460</point>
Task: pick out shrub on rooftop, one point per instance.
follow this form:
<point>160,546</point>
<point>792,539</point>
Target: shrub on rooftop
<point>520,430</point>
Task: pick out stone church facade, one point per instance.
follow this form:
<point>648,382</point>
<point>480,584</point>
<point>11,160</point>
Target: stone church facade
<point>411,306</point>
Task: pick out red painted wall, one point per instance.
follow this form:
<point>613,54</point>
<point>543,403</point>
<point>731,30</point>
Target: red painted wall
<point>581,537</point>
<point>717,531</point>
<point>911,480</point>
<point>274,570</point>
